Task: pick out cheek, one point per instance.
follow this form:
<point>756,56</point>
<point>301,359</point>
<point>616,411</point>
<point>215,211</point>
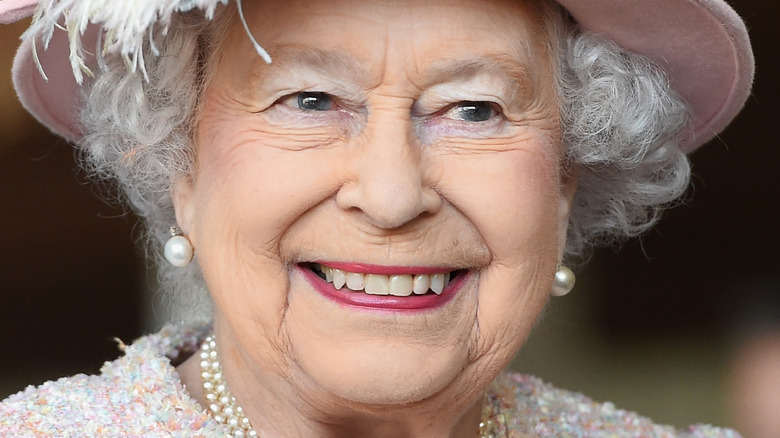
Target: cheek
<point>247,196</point>
<point>258,182</point>
<point>511,197</point>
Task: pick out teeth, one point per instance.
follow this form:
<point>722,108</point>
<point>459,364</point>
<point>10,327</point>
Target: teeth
<point>437,283</point>
<point>339,278</point>
<point>397,285</point>
<point>377,284</point>
<point>401,285</point>
<point>421,284</point>
<point>355,281</point>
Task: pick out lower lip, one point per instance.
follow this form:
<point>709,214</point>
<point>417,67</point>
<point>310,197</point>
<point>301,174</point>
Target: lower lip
<point>411,303</point>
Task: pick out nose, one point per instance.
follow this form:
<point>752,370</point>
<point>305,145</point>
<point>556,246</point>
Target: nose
<point>389,183</point>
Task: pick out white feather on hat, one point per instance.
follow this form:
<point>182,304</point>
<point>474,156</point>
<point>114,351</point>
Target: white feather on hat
<point>128,25</point>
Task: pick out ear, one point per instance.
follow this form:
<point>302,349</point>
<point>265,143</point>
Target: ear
<point>570,176</point>
<point>183,197</point>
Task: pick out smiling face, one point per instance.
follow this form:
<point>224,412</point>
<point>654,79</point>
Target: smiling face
<point>409,150</point>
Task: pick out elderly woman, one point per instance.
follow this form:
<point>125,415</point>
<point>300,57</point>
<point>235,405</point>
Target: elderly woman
<point>372,201</point>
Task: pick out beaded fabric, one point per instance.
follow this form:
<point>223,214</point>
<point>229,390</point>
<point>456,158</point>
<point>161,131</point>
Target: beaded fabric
<point>140,394</point>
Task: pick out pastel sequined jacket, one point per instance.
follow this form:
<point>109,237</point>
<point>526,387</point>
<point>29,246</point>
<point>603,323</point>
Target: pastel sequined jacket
<point>140,395</point>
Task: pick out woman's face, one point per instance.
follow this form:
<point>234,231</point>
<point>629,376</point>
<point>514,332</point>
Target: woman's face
<point>388,145</point>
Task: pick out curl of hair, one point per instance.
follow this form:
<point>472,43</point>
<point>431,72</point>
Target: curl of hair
<point>140,140</point>
<point>622,124</point>
<point>620,119</point>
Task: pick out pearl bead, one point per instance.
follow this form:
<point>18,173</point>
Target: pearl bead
<point>225,409</point>
<point>179,251</point>
<point>563,282</point>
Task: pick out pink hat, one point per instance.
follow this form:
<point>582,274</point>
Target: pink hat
<point>701,44</point>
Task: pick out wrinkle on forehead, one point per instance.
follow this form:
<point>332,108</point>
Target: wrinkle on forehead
<point>411,16</point>
<point>326,62</point>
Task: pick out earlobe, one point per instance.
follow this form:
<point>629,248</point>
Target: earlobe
<point>183,195</point>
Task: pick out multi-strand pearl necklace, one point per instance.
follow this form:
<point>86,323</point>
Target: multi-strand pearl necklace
<point>226,411</point>
<point>222,404</point>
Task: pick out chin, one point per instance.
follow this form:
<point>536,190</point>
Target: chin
<point>387,375</point>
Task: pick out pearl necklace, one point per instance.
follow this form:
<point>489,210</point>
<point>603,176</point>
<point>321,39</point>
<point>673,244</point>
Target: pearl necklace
<point>226,411</point>
<point>222,404</point>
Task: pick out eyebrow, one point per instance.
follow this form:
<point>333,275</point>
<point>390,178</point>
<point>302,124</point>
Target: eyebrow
<point>520,78</point>
<point>328,62</point>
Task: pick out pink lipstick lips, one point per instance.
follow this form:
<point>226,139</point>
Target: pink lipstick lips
<point>388,288</point>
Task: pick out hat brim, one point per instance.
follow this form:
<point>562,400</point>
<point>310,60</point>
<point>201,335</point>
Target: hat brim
<point>15,10</point>
<point>702,45</point>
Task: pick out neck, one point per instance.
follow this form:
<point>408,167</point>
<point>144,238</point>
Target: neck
<point>275,409</point>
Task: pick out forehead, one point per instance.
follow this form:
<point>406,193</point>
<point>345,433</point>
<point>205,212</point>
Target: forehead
<point>413,35</point>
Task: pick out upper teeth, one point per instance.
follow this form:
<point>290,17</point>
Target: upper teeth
<point>401,285</point>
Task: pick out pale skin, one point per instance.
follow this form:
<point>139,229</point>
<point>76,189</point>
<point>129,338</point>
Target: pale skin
<point>400,135</point>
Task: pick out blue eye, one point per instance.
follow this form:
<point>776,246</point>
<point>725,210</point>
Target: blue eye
<point>472,111</point>
<point>314,101</point>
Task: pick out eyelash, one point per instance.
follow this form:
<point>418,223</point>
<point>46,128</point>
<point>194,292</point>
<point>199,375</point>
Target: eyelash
<point>446,121</point>
<point>332,104</point>
<point>463,106</point>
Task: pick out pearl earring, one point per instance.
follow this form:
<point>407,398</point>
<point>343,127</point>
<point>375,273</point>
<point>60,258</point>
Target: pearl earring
<point>563,282</point>
<point>178,249</point>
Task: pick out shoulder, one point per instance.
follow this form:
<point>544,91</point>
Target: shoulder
<point>138,394</point>
<point>524,405</point>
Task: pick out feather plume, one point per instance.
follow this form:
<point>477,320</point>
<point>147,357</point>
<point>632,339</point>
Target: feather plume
<point>125,26</point>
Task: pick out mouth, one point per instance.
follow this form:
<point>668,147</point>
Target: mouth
<point>380,287</point>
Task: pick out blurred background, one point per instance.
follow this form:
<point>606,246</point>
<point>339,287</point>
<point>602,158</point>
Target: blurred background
<point>680,325</point>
